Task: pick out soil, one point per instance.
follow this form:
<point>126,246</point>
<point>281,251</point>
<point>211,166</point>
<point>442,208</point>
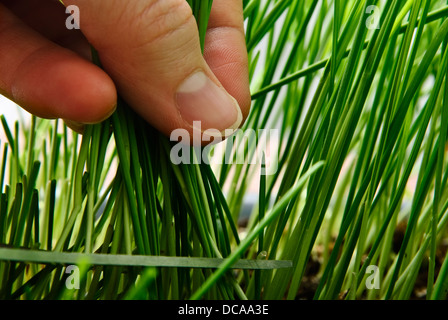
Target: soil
<point>311,277</point>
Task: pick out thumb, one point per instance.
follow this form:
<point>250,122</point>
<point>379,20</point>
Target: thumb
<point>151,50</point>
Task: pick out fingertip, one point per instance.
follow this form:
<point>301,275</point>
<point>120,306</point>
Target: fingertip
<point>91,96</point>
<point>75,126</point>
<point>226,55</point>
<point>60,84</point>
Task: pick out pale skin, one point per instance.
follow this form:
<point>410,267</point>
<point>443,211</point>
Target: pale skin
<point>148,48</point>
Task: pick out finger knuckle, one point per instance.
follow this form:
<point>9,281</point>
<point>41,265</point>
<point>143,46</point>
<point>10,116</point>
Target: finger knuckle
<point>163,17</point>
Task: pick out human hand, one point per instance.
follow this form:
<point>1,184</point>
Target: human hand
<point>149,50</point>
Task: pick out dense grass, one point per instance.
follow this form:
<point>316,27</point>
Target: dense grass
<point>356,210</point>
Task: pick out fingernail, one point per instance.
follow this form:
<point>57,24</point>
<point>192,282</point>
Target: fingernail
<point>200,99</point>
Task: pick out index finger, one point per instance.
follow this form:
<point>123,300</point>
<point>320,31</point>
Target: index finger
<point>225,50</point>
